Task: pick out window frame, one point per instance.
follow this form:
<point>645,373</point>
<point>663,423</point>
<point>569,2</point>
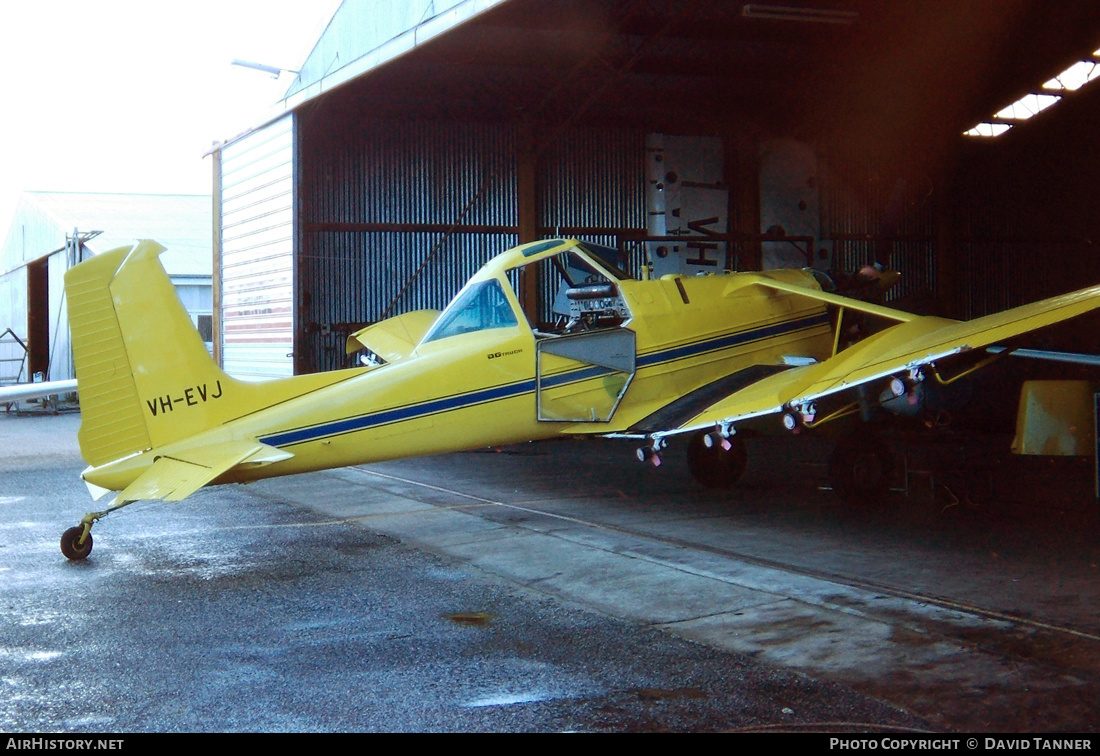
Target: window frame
<point>442,328</point>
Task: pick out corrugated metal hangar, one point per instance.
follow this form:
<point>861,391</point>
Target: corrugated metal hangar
<point>421,138</point>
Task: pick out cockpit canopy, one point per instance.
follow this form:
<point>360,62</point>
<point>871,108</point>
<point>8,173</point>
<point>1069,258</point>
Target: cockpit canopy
<point>478,307</point>
<point>578,283</point>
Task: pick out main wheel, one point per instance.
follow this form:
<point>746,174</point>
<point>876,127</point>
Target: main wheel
<point>71,546</point>
<point>860,469</point>
<point>713,466</point>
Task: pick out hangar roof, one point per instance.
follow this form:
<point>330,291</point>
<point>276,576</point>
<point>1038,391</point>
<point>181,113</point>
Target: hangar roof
<point>181,222</point>
<point>365,34</point>
<point>867,72</point>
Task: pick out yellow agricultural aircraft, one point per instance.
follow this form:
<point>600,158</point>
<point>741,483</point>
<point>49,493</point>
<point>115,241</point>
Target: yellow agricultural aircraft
<point>706,356</point>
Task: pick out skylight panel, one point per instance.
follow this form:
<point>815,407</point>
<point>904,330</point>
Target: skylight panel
<point>1027,106</point>
<point>1074,77</point>
<point>985,129</point>
<point>1070,80</point>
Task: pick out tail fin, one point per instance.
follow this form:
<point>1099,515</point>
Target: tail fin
<point>144,375</point>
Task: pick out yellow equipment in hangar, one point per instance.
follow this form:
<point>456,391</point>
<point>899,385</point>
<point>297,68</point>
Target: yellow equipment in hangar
<point>646,359</point>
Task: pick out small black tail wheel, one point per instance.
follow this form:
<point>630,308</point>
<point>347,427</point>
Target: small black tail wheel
<point>71,546</point>
<point>860,469</point>
<point>713,466</point>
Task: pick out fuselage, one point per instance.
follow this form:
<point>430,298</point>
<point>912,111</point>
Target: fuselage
<point>491,386</point>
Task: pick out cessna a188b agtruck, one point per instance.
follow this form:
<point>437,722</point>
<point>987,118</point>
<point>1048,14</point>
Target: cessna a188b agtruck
<point>704,357</point>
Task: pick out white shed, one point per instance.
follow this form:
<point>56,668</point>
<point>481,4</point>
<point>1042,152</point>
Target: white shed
<point>51,231</point>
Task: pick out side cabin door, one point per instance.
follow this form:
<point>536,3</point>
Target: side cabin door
<point>582,377</point>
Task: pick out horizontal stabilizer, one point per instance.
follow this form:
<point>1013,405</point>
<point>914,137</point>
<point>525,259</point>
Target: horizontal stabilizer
<point>176,476</point>
<point>394,338</point>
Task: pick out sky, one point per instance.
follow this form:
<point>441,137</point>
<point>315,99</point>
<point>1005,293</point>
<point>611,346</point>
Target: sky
<point>127,96</point>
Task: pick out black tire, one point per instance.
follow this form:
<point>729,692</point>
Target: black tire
<point>715,467</point>
<point>71,546</point>
<point>860,469</point>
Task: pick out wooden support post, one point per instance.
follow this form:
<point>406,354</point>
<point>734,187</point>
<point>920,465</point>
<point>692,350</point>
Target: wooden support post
<point>743,178</point>
<point>528,215</point>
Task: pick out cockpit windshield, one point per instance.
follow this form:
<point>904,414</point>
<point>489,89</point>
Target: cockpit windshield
<point>481,307</point>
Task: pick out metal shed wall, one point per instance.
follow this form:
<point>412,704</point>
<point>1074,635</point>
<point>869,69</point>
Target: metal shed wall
<point>593,180</point>
<point>396,216</point>
<point>14,293</point>
<point>257,252</point>
<point>1002,262</point>
<point>592,185</point>
<point>41,241</point>
<point>365,34</point>
<point>865,207</point>
<point>13,315</point>
<point>60,351</point>
<point>380,208</point>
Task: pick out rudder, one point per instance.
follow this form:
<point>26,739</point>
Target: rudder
<point>143,373</point>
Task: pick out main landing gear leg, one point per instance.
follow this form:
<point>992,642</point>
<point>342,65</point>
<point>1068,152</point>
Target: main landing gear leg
<point>860,469</point>
<point>76,542</point>
<point>716,465</point>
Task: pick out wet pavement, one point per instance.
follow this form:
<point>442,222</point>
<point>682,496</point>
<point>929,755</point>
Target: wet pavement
<point>973,618</point>
<point>552,587</point>
<point>243,610</point>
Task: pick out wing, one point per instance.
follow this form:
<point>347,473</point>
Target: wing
<point>834,299</point>
<point>25,391</point>
<point>910,344</point>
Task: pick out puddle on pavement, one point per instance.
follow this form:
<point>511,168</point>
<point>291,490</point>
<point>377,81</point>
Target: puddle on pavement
<point>475,619</point>
<point>663,694</point>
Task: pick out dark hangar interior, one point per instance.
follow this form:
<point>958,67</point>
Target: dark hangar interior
<point>836,129</point>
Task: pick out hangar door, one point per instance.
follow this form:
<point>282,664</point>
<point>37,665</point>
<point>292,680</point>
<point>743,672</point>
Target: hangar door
<point>257,270</point>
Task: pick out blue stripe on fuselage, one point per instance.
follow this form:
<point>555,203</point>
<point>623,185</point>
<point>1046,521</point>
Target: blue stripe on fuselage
<point>397,414</point>
<point>731,340</point>
<point>507,391</point>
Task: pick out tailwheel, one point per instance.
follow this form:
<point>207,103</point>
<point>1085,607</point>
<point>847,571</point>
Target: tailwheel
<point>860,469</point>
<point>715,466</point>
<point>71,545</point>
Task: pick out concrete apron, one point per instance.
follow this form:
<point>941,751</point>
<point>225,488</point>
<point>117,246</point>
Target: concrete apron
<point>934,658</point>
